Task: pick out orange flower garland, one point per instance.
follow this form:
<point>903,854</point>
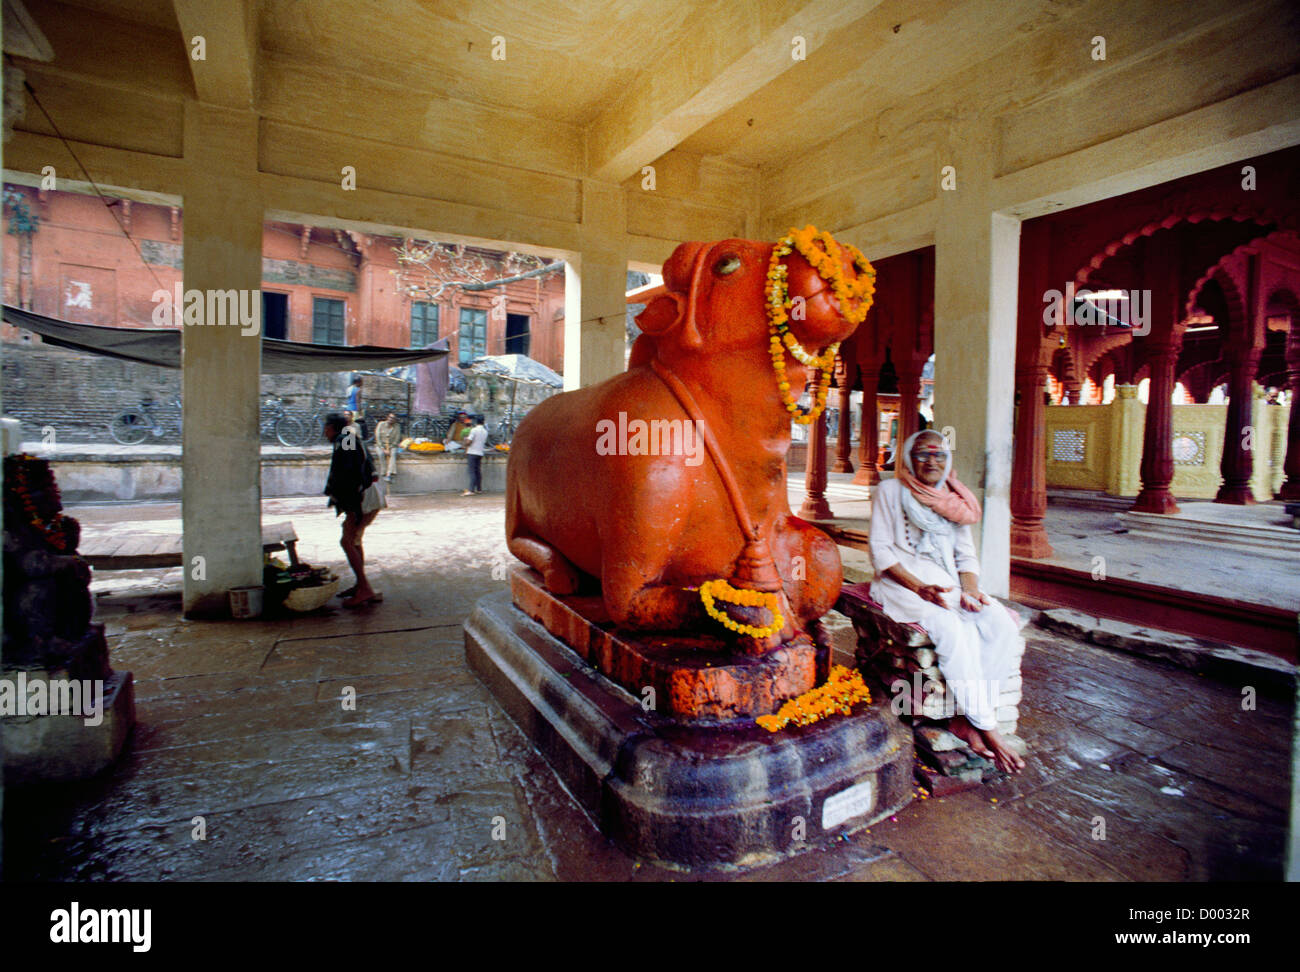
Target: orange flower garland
<point>720,590</point>
<point>825,256</point>
<point>836,696</point>
<point>53,531</point>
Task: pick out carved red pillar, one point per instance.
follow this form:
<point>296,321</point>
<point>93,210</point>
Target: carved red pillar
<point>909,399</point>
<point>869,437</point>
<point>1238,463</point>
<point>1291,488</point>
<point>844,444</point>
<point>815,506</point>
<point>1072,389</point>
<point>1029,467</point>
<point>1158,434</point>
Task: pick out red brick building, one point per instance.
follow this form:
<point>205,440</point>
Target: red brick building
<point>71,260</point>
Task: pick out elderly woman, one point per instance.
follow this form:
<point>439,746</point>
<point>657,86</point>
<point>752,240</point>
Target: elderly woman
<point>927,573</point>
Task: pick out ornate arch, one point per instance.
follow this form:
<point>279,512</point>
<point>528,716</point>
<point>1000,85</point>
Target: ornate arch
<point>1240,215</point>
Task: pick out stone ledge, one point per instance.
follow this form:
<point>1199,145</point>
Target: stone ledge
<point>1200,655</point>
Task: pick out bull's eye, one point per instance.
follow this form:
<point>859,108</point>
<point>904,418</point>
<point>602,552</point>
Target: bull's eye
<point>728,264</point>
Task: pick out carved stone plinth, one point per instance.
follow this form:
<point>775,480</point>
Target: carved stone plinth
<point>679,792</point>
<point>692,676</point>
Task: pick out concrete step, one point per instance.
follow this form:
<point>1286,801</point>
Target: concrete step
<point>1248,529</point>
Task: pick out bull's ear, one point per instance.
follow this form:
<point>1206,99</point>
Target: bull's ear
<point>662,313</point>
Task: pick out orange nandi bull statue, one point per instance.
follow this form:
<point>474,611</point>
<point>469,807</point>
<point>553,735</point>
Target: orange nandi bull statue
<point>667,483</point>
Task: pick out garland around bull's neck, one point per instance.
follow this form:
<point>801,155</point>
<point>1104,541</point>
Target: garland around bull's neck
<point>826,259</point>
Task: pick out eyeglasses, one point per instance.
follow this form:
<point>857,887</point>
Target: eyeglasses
<point>931,455</point>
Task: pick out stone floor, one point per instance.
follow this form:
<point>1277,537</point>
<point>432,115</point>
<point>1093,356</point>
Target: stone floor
<point>242,724</point>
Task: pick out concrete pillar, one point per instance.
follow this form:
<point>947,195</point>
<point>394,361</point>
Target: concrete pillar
<point>869,437</point>
<point>977,253</point>
<point>221,365</point>
<point>595,284</point>
<point>844,442</point>
<point>1238,463</point>
<point>1157,468</point>
<point>814,505</point>
<point>1029,471</point>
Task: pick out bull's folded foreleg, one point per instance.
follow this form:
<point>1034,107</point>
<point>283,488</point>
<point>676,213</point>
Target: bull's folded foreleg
<point>558,574</point>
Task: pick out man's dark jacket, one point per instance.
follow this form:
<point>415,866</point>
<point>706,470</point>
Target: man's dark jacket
<point>351,471</point>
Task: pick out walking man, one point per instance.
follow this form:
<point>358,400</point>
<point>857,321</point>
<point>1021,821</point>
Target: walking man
<point>475,445</point>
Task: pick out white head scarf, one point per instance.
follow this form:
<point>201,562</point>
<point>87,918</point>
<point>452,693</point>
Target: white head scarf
<point>907,454</point>
<point>936,534</point>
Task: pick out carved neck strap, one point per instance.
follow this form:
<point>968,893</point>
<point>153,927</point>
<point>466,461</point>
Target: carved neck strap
<point>755,569</point>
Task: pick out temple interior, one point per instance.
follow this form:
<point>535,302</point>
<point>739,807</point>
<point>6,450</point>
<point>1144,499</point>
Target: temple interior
<point>1084,224</point>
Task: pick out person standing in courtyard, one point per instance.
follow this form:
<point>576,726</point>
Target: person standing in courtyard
<point>387,434</point>
<point>927,574</point>
<point>351,474</point>
<point>475,446</point>
<point>354,404</point>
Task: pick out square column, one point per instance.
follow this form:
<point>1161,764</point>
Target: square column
<point>595,285</point>
<point>221,363</point>
<point>977,256</point>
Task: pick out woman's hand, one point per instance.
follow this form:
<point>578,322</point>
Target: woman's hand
<point>974,600</point>
<point>933,593</point>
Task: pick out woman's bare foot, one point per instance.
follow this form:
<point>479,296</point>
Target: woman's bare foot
<point>1006,758</point>
<point>960,727</point>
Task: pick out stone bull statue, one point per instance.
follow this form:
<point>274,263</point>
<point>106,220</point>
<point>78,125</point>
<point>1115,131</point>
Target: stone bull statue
<point>671,477</point>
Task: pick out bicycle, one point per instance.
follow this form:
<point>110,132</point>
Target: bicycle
<point>503,431</point>
<point>133,426</point>
<point>276,422</point>
<point>300,430</point>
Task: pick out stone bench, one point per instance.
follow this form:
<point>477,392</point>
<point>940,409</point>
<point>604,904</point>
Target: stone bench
<point>900,658</point>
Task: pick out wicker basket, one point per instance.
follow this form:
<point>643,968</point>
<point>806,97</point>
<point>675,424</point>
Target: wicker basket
<point>303,599</point>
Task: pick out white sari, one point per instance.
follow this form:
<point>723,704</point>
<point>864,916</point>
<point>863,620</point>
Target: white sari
<point>978,650</point>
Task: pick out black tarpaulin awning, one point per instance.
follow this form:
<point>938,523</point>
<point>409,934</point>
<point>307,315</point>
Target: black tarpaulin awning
<point>161,346</point>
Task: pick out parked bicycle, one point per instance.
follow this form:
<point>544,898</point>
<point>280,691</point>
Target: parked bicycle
<point>278,423</point>
<point>503,431</point>
<point>304,428</point>
<point>134,425</point>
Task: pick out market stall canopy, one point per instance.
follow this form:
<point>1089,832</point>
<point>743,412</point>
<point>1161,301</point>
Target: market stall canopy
<point>515,367</point>
<point>161,346</point>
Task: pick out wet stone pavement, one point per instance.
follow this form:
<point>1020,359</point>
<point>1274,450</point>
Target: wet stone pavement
<point>243,725</point>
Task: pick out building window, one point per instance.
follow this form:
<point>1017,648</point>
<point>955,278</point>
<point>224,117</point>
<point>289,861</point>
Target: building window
<point>517,334</point>
<point>473,334</point>
<point>327,321</point>
<point>424,323</point>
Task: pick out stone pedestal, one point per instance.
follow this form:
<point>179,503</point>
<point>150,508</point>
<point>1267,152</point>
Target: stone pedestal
<point>60,748</point>
<point>711,790</point>
<point>899,660</point>
<point>64,713</point>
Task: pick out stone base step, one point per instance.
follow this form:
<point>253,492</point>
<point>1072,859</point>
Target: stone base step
<point>683,795</point>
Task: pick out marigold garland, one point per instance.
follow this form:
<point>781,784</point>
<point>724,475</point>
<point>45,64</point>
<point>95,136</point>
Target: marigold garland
<point>836,696</point>
<point>720,590</point>
<point>53,532</point>
<point>825,256</point>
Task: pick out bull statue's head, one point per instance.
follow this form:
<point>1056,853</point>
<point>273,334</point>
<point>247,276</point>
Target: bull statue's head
<point>717,295</point>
